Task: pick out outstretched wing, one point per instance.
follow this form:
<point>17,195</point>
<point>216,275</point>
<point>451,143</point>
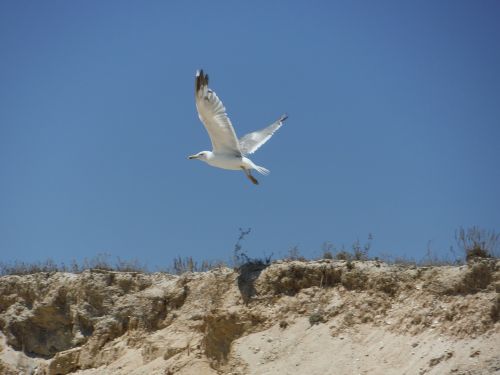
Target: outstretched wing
<point>213,115</point>
<point>252,141</point>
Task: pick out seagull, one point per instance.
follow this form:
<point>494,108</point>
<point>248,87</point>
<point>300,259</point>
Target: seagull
<point>228,152</point>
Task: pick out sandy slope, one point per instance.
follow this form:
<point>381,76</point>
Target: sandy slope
<point>322,317</point>
<point>302,349</point>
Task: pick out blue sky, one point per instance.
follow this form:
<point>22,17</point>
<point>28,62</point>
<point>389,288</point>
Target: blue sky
<point>393,129</point>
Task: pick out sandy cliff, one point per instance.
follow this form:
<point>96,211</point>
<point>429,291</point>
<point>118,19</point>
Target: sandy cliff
<point>321,317</point>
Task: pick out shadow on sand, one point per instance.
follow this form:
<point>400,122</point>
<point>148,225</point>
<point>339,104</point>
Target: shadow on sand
<point>249,272</point>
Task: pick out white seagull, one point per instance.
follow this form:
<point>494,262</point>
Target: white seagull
<point>228,152</point>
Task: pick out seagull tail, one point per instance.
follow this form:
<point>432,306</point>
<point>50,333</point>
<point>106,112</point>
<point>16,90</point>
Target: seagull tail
<point>262,170</point>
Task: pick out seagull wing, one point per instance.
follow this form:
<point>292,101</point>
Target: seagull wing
<point>252,141</point>
<point>213,115</point>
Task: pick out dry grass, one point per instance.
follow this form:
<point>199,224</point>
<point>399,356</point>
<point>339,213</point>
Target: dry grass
<point>476,243</point>
<point>100,261</point>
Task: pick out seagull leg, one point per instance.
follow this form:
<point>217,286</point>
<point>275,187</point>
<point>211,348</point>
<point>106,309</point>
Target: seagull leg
<point>250,177</point>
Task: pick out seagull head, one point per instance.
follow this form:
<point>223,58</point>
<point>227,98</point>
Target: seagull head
<point>202,155</point>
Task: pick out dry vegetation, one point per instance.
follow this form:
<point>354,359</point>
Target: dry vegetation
<point>474,243</point>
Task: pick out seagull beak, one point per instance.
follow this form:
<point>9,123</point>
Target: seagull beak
<point>193,157</point>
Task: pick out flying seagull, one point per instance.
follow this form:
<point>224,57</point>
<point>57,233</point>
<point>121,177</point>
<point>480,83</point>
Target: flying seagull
<point>228,152</point>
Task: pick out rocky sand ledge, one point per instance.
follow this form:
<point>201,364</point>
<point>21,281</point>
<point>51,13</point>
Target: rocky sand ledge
<point>316,317</point>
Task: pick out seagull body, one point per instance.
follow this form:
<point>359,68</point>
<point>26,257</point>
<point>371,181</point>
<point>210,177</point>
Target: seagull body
<point>228,152</point>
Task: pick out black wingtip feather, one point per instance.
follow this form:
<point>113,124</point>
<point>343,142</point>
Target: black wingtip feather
<point>201,80</point>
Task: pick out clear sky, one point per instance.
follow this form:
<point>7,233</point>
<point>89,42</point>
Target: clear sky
<point>393,129</point>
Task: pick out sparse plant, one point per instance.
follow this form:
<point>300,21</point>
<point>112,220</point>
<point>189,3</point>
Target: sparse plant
<point>294,254</point>
<point>349,265</point>
<point>431,258</point>
<point>349,319</point>
<point>129,265</point>
<point>403,260</point>
<point>26,268</point>
<point>343,254</point>
<point>241,261</point>
<point>328,250</point>
<point>456,259</point>
<point>327,255</point>
<point>99,261</point>
<point>477,278</point>
<point>478,243</point>
<point>361,252</point>
<point>74,267</point>
<point>188,264</point>
<point>358,252</point>
<point>316,318</point>
<point>239,256</point>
